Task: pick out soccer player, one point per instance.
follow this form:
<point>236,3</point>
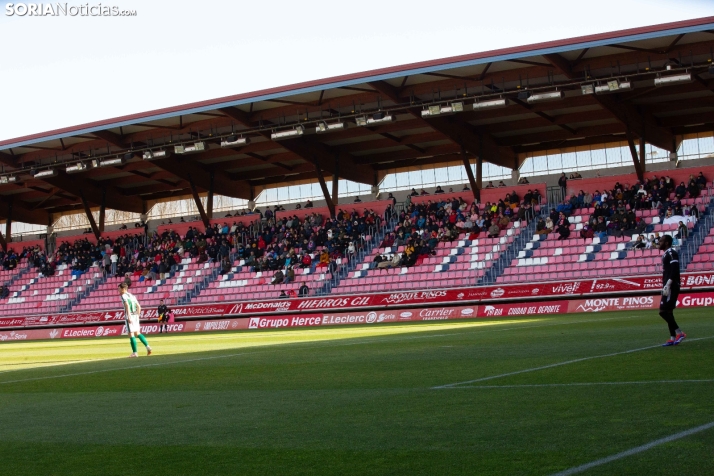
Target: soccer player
<point>132,311</point>
<point>163,311</point>
<point>670,290</point>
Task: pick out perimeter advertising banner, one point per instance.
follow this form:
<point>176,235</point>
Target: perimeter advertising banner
<point>606,287</point>
<point>566,306</point>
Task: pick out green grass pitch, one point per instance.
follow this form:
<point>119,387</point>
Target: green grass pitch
<point>362,400</point>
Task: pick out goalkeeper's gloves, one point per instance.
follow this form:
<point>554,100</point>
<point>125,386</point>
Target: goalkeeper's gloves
<point>667,289</point>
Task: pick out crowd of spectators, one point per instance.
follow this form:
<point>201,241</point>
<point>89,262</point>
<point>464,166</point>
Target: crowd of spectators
<point>614,210</point>
<point>422,226</point>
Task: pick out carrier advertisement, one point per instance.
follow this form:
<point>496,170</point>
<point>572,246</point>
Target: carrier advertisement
<point>265,322</point>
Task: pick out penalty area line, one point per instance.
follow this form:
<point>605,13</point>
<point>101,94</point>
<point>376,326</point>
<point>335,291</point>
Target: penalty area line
<point>636,450</point>
<point>557,364</point>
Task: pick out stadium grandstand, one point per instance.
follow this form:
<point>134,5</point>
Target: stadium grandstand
<point>555,160</point>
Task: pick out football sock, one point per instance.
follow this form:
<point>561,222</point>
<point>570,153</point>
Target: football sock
<point>133,343</point>
<point>143,340</point>
<point>668,316</point>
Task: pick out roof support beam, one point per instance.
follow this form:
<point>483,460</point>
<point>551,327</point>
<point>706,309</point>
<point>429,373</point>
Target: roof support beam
<point>102,210</point>
<point>623,112</point>
<point>325,192</point>
<point>209,200</point>
<point>191,171</point>
<point>7,159</point>
<point>199,205</point>
<point>112,195</point>
<point>15,211</point>
<point>323,156</point>
<point>112,138</point>
<point>90,217</point>
<point>8,223</point>
<point>474,140</point>
<point>637,160</point>
<point>470,173</point>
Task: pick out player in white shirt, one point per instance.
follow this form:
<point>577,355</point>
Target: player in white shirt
<point>132,311</point>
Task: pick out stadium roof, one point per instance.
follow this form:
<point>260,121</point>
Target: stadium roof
<point>641,91</point>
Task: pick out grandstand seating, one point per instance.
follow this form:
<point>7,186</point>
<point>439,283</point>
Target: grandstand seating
<point>189,274</point>
<point>546,257</point>
<point>32,292</point>
<point>521,258</point>
<point>458,263</point>
<point>704,258</point>
<point>244,284</point>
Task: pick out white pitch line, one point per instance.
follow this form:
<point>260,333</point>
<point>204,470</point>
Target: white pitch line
<point>587,384</point>
<point>558,364</point>
<point>634,451</point>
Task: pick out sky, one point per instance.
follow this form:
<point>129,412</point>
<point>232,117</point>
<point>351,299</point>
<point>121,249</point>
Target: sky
<point>63,71</point>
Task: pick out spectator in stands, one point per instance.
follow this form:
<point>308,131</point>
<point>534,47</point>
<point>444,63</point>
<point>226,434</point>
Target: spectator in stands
<point>563,184</point>
<point>586,232</point>
<point>438,190</point>
<point>127,279</point>
<point>501,184</point>
<point>681,190</point>
<point>4,292</point>
<point>423,192</point>
<point>391,197</point>
<point>540,227</point>
<point>357,199</point>
<point>278,277</point>
<point>563,227</point>
<point>490,184</point>
<point>289,275</point>
<point>701,181</point>
<point>564,208</point>
<point>693,189</point>
<point>466,188</point>
<point>682,231</point>
<point>283,295</point>
<point>575,176</point>
<point>225,266</point>
<point>303,291</point>
<point>414,193</point>
<point>523,181</point>
<point>494,231</point>
<point>640,243</point>
<point>308,204</point>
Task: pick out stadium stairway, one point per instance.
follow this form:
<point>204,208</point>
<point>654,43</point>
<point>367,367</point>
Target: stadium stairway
<point>178,285</point>
<point>354,261</point>
<point>702,229</point>
<point>459,263</point>
<point>512,251</point>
